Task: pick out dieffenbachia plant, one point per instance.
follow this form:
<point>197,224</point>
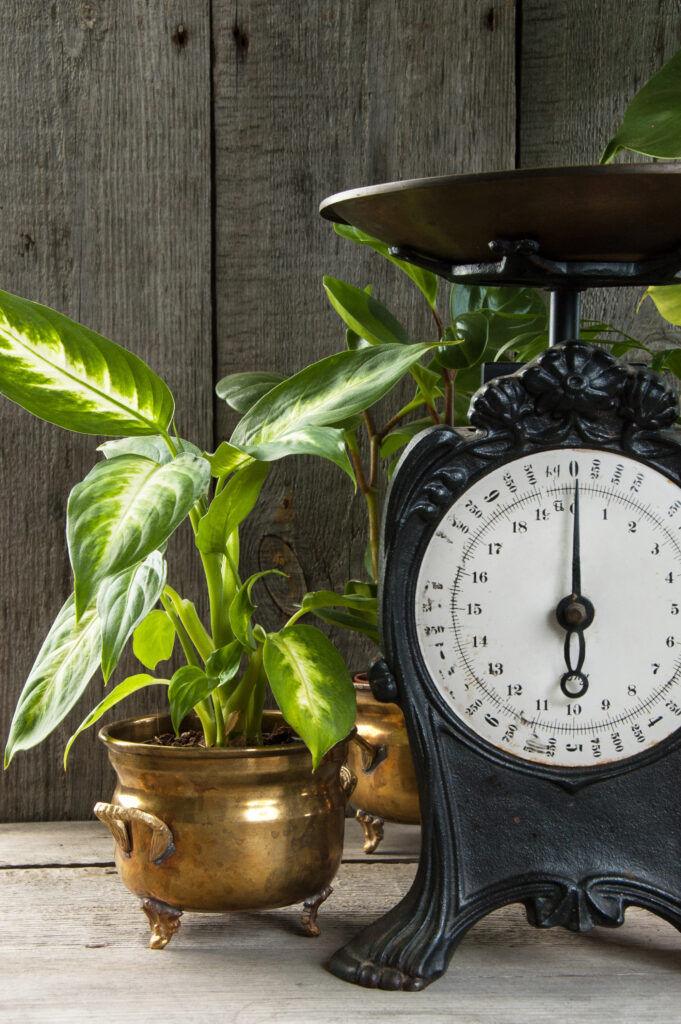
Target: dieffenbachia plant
<point>122,515</point>
<point>483,324</point>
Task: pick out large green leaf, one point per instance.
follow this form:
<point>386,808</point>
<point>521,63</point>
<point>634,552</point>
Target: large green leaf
<point>327,392</point>
<point>426,281</point>
<point>153,639</point>
<point>123,601</point>
<point>364,315</point>
<point>65,664</point>
<point>326,442</point>
<point>242,608</point>
<point>119,693</point>
<point>242,390</point>
<point>123,510</point>
<point>667,298</point>
<point>652,121</point>
<point>311,685</point>
<point>230,507</point>
<point>66,374</point>
<point>153,447</point>
<point>188,687</point>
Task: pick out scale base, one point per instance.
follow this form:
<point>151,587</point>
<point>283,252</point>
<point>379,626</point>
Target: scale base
<point>411,945</point>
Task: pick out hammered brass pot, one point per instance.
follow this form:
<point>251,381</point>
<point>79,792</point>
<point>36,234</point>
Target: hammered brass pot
<point>380,758</point>
<point>223,829</point>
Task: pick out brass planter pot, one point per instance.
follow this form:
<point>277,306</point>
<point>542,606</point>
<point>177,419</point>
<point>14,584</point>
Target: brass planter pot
<point>216,830</point>
<point>380,758</point>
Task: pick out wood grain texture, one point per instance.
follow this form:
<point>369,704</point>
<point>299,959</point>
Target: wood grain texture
<point>580,65</point>
<point>105,214</point>
<point>311,98</point>
<point>74,944</point>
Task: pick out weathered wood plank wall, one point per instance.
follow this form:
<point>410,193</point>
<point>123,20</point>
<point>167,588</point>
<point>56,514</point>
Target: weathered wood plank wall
<point>161,166</point>
<point>105,196</point>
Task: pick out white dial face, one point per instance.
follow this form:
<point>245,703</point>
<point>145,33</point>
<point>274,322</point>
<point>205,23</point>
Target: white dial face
<point>493,575</point>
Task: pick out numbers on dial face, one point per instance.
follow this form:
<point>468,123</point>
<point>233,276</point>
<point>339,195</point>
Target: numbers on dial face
<point>493,575</point>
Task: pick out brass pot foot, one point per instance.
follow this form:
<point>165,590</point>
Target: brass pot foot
<point>164,921</point>
<point>311,906</point>
<point>373,830</point>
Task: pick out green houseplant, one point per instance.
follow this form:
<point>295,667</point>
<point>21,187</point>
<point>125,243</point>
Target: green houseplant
<point>119,521</point>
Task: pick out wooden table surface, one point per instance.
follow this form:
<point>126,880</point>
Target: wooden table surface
<point>73,947</point>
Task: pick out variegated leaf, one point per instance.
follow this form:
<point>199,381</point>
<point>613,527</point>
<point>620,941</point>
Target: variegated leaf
<point>65,664</point>
<point>123,510</point>
<point>69,375</point>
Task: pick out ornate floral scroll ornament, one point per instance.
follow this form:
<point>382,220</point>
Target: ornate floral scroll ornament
<point>575,378</point>
<point>503,404</point>
<point>647,402</point>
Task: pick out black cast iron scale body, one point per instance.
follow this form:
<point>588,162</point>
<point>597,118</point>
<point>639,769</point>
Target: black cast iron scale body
<point>578,844</point>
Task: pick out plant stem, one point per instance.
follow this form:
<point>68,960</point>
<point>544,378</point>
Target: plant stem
<point>371,497</point>
<point>353,448</point>
<point>448,414</point>
<point>432,411</point>
<point>203,709</point>
<point>257,702</point>
<point>186,613</point>
<point>219,721</point>
<point>187,646</point>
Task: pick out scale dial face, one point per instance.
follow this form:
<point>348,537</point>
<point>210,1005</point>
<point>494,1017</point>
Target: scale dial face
<point>557,643</point>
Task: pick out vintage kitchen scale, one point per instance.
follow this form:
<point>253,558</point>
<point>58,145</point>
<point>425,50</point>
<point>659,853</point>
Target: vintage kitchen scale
<point>530,588</point>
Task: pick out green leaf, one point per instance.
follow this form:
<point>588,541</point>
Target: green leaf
<point>224,663</point>
<point>242,390</point>
<point>242,608</point>
<point>230,507</point>
<point>327,392</point>
<point>188,687</point>
<point>119,693</point>
<point>311,685</point>
<point>364,315</point>
<point>426,281</point>
<point>153,640</point>
<point>123,601</point>
<point>350,621</point>
<point>429,383</point>
<point>153,447</point>
<point>397,438</point>
<point>123,510</point>
<point>652,121</point>
<point>471,332</point>
<point>226,459</point>
<point>667,298</point>
<point>507,299</point>
<point>66,374</point>
<point>361,603</point>
<point>65,664</point>
<point>326,442</point>
<point>363,588</point>
<point>353,341</point>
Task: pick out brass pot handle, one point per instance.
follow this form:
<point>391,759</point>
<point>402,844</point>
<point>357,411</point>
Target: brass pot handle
<point>117,820</point>
<point>371,756</point>
<point>348,780</point>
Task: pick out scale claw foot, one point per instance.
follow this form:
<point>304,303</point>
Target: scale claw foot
<point>372,826</point>
<point>353,968</point>
<point>311,906</point>
<point>164,921</point>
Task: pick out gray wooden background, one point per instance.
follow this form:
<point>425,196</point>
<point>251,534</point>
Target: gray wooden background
<point>161,164</point>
